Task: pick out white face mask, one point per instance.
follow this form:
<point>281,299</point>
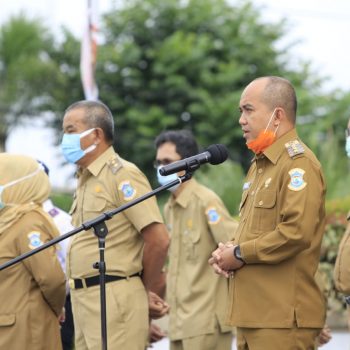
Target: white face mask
<point>12,183</point>
<point>163,180</point>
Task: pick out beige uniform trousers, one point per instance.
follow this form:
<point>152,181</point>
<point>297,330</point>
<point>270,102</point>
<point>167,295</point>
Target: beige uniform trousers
<point>276,339</point>
<point>127,316</point>
<point>212,341</point>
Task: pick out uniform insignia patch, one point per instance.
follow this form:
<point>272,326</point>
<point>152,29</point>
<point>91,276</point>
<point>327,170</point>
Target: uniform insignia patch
<point>294,148</point>
<point>114,164</point>
<point>53,212</point>
<point>297,182</point>
<point>128,191</point>
<point>213,216</point>
<point>34,240</point>
<point>246,185</point>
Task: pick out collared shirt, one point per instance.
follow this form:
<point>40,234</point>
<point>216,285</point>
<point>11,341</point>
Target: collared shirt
<point>282,217</point>
<point>197,220</point>
<point>106,184</point>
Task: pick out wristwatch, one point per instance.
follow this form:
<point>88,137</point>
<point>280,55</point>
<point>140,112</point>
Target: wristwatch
<point>237,253</point>
<point>347,300</point>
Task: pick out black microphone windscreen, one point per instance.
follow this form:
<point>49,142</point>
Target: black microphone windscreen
<point>218,152</point>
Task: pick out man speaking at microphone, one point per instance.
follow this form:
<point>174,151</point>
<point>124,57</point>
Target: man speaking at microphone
<point>276,303</point>
<point>197,220</point>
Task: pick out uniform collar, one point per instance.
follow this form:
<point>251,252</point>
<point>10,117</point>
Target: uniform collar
<point>274,152</point>
<point>96,166</point>
<point>185,196</point>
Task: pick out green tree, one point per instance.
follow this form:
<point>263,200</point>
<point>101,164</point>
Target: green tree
<point>172,64</point>
<point>183,64</point>
<point>66,54</point>
<point>27,72</point>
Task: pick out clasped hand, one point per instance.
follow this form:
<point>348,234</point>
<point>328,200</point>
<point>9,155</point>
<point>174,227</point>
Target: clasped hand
<point>223,261</point>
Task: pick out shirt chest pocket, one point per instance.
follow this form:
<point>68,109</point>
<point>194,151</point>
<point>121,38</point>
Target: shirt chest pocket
<point>190,241</point>
<point>93,205</point>
<point>264,216</point>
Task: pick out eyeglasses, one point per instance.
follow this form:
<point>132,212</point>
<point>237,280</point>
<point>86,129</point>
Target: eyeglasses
<point>347,132</point>
<point>161,162</point>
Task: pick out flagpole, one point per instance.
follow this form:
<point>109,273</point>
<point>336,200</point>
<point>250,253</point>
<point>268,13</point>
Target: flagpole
<point>88,54</point>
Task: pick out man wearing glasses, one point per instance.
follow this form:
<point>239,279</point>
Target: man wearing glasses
<point>197,221</point>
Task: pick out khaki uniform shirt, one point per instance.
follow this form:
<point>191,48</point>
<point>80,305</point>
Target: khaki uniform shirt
<point>106,184</point>
<point>32,292</point>
<point>282,217</point>
<point>197,220</point>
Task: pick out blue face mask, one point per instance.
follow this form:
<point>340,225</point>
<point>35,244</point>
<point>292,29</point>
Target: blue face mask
<point>163,180</point>
<point>71,147</point>
<point>9,184</point>
<point>347,146</point>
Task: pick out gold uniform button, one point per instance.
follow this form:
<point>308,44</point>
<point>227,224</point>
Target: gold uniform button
<point>71,284</point>
<point>260,171</point>
<point>261,203</point>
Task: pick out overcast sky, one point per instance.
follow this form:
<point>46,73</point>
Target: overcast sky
<point>321,26</point>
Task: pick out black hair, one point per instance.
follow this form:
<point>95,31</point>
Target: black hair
<point>184,141</point>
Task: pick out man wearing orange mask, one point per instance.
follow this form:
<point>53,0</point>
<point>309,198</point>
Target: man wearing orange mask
<point>276,303</point>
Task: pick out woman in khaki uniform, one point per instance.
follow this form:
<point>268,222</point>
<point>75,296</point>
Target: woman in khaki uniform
<point>32,292</point>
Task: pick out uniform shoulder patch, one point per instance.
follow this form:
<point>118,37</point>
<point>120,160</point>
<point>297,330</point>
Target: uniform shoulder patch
<point>128,191</point>
<point>114,164</point>
<point>294,148</point>
<point>213,216</point>
<point>297,182</point>
<point>34,240</point>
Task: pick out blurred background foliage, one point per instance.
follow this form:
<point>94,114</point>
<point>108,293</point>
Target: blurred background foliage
<point>174,64</point>
<point>171,64</point>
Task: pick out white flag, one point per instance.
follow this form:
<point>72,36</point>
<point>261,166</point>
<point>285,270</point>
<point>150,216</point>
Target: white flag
<point>88,53</point>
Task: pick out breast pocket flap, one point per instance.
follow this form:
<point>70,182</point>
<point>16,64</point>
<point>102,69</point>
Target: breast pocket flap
<point>7,320</point>
<point>265,199</point>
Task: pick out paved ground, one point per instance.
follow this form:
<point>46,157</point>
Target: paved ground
<point>340,341</point>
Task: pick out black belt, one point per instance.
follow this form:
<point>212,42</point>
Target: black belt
<point>95,280</point>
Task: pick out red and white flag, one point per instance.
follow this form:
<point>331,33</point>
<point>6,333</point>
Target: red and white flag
<point>88,53</point>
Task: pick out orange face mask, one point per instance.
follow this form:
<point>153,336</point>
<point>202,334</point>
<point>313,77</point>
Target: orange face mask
<point>265,138</point>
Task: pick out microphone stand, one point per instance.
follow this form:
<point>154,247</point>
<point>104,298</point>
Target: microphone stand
<point>100,230</point>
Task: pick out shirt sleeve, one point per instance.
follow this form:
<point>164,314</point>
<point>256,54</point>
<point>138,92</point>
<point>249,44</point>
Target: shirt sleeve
<point>44,266</point>
<point>132,184</point>
<point>301,206</point>
<point>221,224</point>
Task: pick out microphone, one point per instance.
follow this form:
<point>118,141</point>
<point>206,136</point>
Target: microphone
<point>214,154</point>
